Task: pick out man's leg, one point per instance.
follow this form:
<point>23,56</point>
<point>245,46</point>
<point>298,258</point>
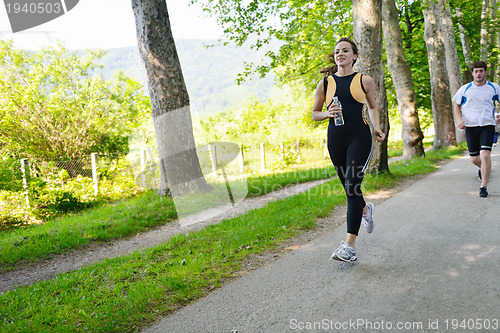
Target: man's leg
<point>486,141</point>
<point>476,160</point>
<point>485,165</point>
<point>473,145</point>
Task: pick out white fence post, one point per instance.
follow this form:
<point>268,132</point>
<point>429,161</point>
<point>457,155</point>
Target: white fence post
<point>325,149</point>
<point>297,146</point>
<point>213,156</point>
<point>26,173</point>
<point>144,158</point>
<point>241,159</point>
<point>95,176</point>
<point>262,157</point>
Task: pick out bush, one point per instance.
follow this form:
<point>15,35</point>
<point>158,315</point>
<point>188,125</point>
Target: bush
<point>9,222</point>
<point>10,174</point>
<point>54,202</point>
<point>116,180</point>
<point>14,212</point>
<point>56,194</point>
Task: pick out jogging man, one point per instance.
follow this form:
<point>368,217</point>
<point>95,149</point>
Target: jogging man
<point>474,108</point>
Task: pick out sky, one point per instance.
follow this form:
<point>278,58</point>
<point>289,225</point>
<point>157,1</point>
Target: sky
<point>106,24</point>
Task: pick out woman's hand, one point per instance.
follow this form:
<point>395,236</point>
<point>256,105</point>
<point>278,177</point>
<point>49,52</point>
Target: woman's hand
<point>334,111</point>
<point>379,135</point>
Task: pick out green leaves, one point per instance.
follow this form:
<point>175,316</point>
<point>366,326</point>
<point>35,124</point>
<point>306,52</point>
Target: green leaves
<point>305,31</point>
<point>55,103</point>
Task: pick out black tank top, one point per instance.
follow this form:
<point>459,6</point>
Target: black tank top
<point>351,94</point>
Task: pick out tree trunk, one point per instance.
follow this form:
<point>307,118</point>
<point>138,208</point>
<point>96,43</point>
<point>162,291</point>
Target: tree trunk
<point>409,25</point>
<point>445,25</point>
<point>403,82</point>
<point>444,127</point>
<point>179,165</point>
<point>367,31</point>
<point>492,66</point>
<point>464,38</point>
<point>497,43</point>
<point>484,30</point>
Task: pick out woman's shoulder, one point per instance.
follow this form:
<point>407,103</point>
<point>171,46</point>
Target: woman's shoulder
<point>320,87</point>
<point>367,80</point>
<point>322,81</point>
<point>365,76</point>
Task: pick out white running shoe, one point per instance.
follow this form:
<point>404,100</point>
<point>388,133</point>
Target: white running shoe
<point>367,220</point>
<point>345,252</point>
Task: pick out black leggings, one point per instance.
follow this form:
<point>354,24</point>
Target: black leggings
<point>350,150</point>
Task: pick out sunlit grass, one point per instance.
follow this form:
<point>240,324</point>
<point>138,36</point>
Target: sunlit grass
<point>98,224</point>
<point>395,148</point>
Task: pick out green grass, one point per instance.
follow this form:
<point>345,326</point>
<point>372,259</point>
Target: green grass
<point>261,185</point>
<point>100,224</point>
<point>126,218</point>
<point>395,148</point>
<point>124,293</point>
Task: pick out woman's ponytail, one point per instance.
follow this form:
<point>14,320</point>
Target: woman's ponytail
<point>326,71</point>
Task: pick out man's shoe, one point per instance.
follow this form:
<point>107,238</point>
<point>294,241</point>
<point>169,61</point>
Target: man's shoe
<point>483,193</point>
<point>367,220</point>
<point>479,174</point>
<point>345,252</point>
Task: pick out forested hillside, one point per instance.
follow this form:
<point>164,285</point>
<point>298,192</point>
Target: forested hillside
<point>209,73</point>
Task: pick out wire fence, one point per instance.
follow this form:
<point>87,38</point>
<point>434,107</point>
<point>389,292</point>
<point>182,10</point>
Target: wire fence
<point>77,166</point>
<point>253,158</point>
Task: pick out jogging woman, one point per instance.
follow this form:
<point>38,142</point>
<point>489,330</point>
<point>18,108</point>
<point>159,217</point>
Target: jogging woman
<point>349,144</point>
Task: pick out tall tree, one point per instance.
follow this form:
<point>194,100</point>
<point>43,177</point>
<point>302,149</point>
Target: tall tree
<point>484,29</point>
<point>416,54</point>
<point>179,164</point>
<point>492,66</point>
<point>444,127</point>
<point>497,42</point>
<point>445,25</point>
<point>367,31</point>
<point>401,75</point>
<point>464,38</point>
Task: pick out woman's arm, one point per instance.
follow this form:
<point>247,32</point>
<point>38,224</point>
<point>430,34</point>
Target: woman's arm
<point>369,85</point>
<point>317,112</point>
